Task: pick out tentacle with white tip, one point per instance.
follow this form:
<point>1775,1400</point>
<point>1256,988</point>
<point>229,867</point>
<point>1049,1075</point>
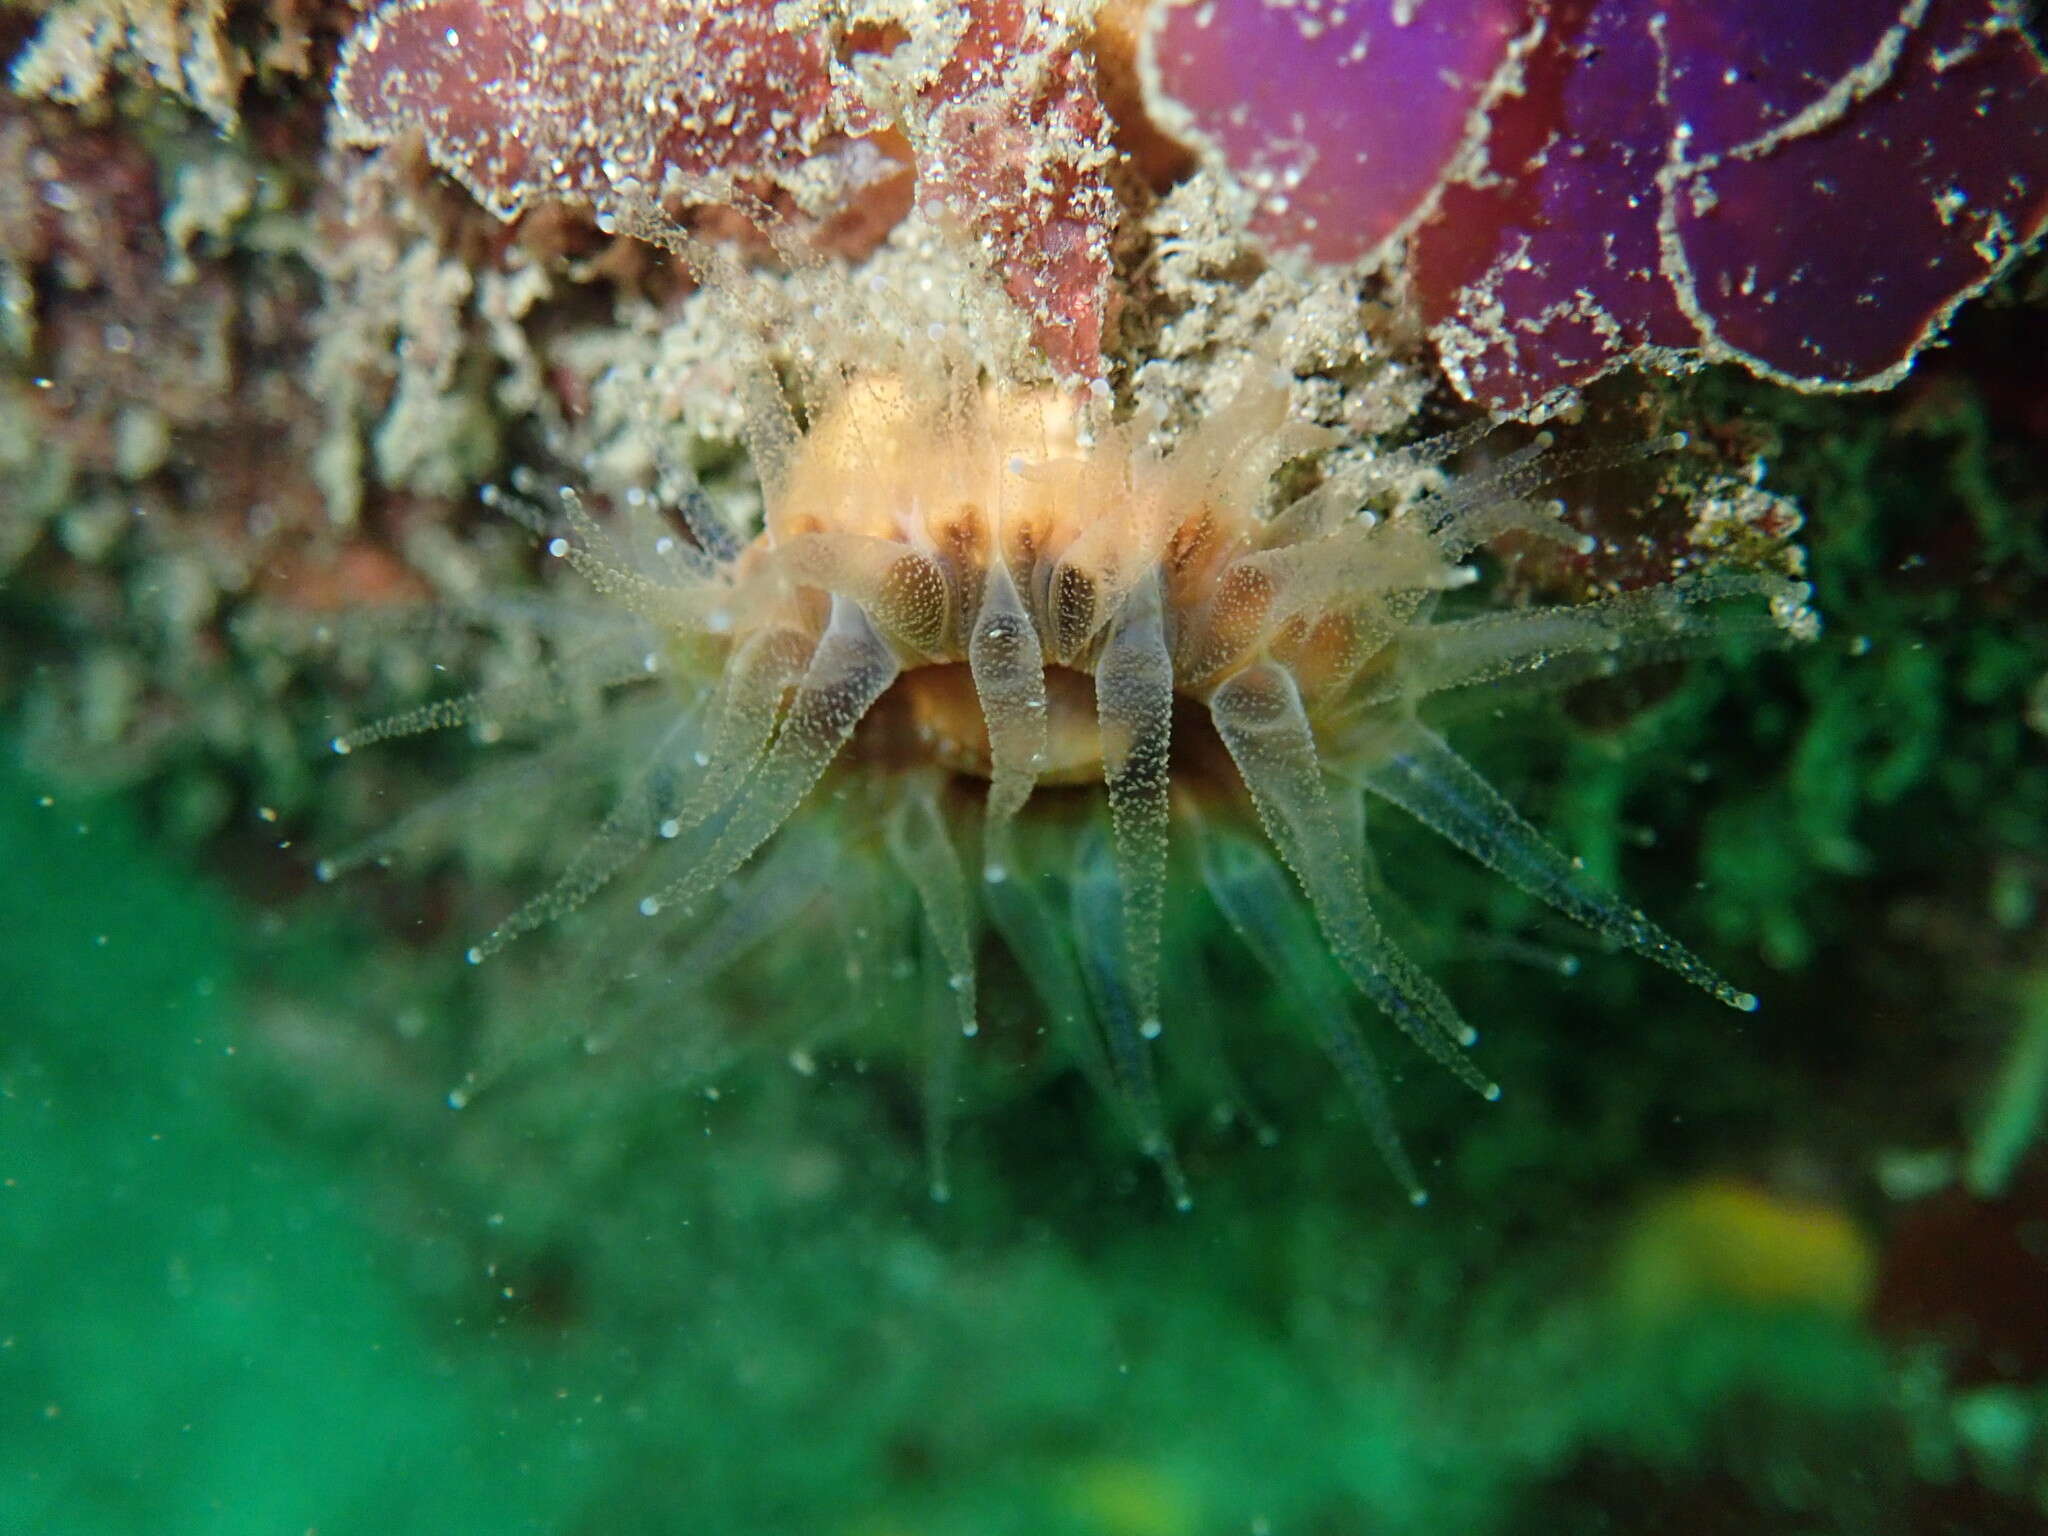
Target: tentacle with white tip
<point>763,898</point>
<point>943,1043</point>
<point>851,668</point>
<point>1683,617</point>
<point>1008,667</point>
<point>1253,895</point>
<point>550,690</point>
<point>922,851</point>
<point>918,842</point>
<point>1098,914</point>
<point>1418,771</point>
<point>641,580</point>
<point>1134,710</point>
<point>513,786</point>
<point>622,837</point>
<point>792,872</point>
<point>1259,715</point>
<point>762,670</point>
<point>1019,906</point>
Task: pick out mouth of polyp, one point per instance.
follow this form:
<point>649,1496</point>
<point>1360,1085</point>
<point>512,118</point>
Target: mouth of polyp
<point>931,718</point>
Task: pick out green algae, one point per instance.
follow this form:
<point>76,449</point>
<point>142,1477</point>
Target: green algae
<point>196,1333</point>
<point>229,1309</point>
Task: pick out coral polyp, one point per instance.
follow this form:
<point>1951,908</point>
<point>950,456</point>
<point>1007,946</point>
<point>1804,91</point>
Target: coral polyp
<point>998,663</point>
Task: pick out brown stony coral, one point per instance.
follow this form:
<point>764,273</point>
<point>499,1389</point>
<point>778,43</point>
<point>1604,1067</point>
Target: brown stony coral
<point>994,671</point>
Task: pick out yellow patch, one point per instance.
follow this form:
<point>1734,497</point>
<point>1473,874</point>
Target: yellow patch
<point>1718,1241</point>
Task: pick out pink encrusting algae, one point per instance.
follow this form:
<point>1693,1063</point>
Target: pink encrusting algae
<point>625,107</point>
<point>1014,144</point>
<point>524,104</point>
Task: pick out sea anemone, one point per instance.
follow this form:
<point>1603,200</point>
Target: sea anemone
<point>995,666</point>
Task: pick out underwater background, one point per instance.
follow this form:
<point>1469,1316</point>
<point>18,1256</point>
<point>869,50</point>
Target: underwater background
<point>1697,1272</point>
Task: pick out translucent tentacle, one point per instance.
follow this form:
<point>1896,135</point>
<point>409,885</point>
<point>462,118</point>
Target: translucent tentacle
<point>789,876</point>
<point>1201,1053</point>
<point>786,879</point>
<point>1134,708</point>
<point>1009,678</point>
<point>763,668</point>
<point>512,784</point>
<point>1479,506</point>
<point>923,850</point>
<point>1336,503</point>
<point>904,592</point>
<point>1252,893</point>
<point>918,843</point>
<point>714,536</point>
<point>1038,936</point>
<point>1633,627</point>
<point>1422,775</point>
<point>550,689</point>
<point>618,571</point>
<point>622,836</point>
<point>1259,715</point>
<point>943,1042</point>
<point>848,671</point>
<point>1457,515</point>
<point>1099,925</point>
